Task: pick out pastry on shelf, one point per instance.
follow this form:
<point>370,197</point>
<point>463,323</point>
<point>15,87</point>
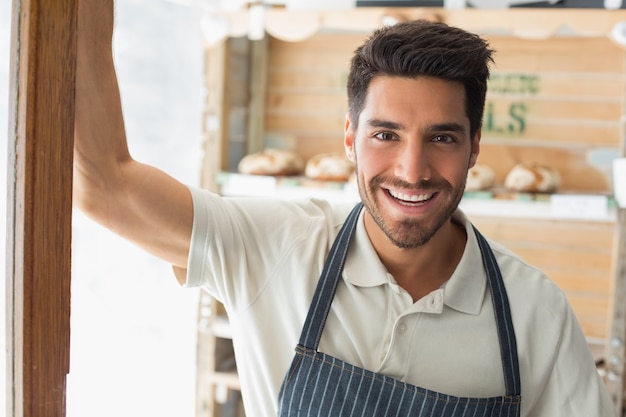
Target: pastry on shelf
<point>272,161</point>
<point>480,177</point>
<point>532,178</point>
<point>333,166</point>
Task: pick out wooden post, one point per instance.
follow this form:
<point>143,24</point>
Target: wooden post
<point>41,126</point>
<point>616,351</point>
<point>215,146</point>
<point>616,347</point>
<point>258,88</point>
<point>215,115</point>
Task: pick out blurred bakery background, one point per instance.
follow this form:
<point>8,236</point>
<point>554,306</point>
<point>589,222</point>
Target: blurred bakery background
<point>251,98</point>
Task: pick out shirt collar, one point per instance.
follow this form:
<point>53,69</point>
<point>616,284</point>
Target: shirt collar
<point>363,267</point>
<point>464,291</point>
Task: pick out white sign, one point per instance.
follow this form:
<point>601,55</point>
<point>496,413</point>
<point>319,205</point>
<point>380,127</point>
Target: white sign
<point>619,181</point>
<point>591,207</point>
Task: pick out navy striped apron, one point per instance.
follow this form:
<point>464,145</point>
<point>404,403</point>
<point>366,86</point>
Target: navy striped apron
<point>320,385</point>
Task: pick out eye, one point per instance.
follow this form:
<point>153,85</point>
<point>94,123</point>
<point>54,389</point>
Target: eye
<point>444,139</point>
<point>385,136</point>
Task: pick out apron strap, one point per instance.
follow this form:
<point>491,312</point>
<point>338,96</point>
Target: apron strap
<point>327,285</point>
<point>504,322</point>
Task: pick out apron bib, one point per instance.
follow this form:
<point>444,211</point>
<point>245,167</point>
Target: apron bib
<point>321,385</point>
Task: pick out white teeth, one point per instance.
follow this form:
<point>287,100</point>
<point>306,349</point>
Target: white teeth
<point>411,198</point>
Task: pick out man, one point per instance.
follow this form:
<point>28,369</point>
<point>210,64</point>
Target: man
<point>394,307</point>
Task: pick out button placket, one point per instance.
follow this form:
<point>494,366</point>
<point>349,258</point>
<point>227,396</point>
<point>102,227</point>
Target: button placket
<point>398,348</point>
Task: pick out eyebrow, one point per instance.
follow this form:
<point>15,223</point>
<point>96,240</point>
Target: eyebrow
<point>447,127</point>
<point>437,127</point>
<point>385,124</point>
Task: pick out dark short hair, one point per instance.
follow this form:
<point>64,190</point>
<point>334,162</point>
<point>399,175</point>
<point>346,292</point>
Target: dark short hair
<point>423,48</point>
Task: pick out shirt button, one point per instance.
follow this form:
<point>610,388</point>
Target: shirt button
<point>435,301</point>
<point>402,328</point>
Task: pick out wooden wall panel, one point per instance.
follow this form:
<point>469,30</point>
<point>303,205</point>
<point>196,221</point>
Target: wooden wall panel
<point>550,232</point>
<point>314,102</point>
<point>305,124</point>
<point>579,132</point>
<point>295,80</point>
<point>545,104</point>
<point>562,108</point>
<point>594,283</point>
<point>307,61</point>
<point>587,86</point>
<point>306,103</point>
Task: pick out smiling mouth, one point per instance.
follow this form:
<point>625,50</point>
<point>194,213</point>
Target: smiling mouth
<point>410,199</point>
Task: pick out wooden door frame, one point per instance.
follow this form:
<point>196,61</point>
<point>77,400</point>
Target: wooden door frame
<point>39,205</point>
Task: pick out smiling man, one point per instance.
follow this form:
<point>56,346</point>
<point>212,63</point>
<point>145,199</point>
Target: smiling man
<point>395,307</point>
<point>412,147</point>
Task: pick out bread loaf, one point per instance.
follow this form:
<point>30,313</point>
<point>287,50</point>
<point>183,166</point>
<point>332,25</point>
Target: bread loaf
<point>272,162</point>
<point>479,177</point>
<point>532,177</point>
<point>329,167</point>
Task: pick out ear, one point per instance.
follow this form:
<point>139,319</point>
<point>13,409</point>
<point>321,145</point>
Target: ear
<point>475,149</point>
<point>348,138</point>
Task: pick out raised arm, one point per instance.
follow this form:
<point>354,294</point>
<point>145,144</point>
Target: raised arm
<point>134,200</point>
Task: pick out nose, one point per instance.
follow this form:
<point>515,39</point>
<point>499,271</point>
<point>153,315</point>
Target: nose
<point>412,162</point>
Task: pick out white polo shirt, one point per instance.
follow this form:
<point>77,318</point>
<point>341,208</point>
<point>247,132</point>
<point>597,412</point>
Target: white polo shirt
<point>262,259</point>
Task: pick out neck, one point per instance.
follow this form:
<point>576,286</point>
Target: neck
<point>424,269</point>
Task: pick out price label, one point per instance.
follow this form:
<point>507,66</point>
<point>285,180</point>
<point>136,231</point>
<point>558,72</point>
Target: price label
<point>592,207</point>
